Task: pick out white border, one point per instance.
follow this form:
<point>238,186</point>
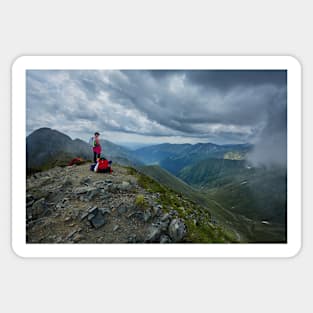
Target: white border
<point>156,62</point>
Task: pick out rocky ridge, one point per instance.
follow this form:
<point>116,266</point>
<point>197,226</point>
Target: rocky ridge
<point>75,205</point>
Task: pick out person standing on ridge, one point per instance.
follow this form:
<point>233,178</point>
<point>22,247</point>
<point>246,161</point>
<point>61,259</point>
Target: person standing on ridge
<point>96,147</point>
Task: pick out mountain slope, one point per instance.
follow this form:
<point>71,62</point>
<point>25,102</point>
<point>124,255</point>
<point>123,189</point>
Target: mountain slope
<point>118,153</point>
<point>46,144</point>
<point>235,220</point>
<point>258,193</point>
<point>167,179</point>
<point>213,172</point>
<point>174,157</point>
<point>154,154</point>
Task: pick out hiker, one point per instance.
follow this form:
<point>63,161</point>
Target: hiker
<point>96,147</point>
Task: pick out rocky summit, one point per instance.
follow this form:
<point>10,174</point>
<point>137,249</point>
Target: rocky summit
<point>75,205</point>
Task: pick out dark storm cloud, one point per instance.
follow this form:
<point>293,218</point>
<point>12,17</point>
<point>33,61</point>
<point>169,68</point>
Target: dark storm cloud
<point>225,80</point>
<point>221,106</point>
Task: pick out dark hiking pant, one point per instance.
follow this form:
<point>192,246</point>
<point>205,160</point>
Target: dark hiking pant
<point>95,156</point>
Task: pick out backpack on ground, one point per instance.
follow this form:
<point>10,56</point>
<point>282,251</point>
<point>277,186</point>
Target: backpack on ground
<point>103,166</point>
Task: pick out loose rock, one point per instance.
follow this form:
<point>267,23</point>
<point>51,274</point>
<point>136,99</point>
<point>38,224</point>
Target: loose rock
<point>98,220</point>
<point>122,209</point>
<point>154,233</point>
<point>104,211</point>
<point>116,227</point>
<point>165,239</point>
<point>177,230</point>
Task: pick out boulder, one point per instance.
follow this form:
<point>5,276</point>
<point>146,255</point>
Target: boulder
<point>98,220</point>
<point>154,233</point>
<point>116,227</point>
<point>177,230</point>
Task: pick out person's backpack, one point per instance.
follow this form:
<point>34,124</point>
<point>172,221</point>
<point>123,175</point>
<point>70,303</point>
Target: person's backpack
<point>104,166</point>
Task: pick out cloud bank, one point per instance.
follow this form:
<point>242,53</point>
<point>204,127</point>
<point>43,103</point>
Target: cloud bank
<point>164,106</point>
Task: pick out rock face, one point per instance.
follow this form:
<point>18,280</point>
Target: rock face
<point>75,205</point>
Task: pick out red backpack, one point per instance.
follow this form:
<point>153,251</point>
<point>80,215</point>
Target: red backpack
<point>104,166</point>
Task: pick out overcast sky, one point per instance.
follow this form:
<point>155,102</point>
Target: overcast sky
<point>159,106</point>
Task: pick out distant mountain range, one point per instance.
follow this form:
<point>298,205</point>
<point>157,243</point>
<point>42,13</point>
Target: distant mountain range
<point>217,177</point>
<point>174,157</point>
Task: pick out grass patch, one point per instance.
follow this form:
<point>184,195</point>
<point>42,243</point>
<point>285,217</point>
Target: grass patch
<point>141,202</point>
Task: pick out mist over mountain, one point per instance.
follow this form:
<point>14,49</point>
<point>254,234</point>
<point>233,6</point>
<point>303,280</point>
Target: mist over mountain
<point>270,147</point>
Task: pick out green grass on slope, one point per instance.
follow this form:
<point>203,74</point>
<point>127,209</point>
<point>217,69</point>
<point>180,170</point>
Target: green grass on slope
<point>197,218</point>
<point>212,172</point>
<point>246,229</point>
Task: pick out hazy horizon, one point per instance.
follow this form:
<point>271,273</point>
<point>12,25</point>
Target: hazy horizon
<point>136,145</point>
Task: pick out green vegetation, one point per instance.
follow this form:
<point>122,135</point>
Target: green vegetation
<point>140,201</point>
<point>197,218</point>
<point>215,201</point>
<point>212,172</point>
